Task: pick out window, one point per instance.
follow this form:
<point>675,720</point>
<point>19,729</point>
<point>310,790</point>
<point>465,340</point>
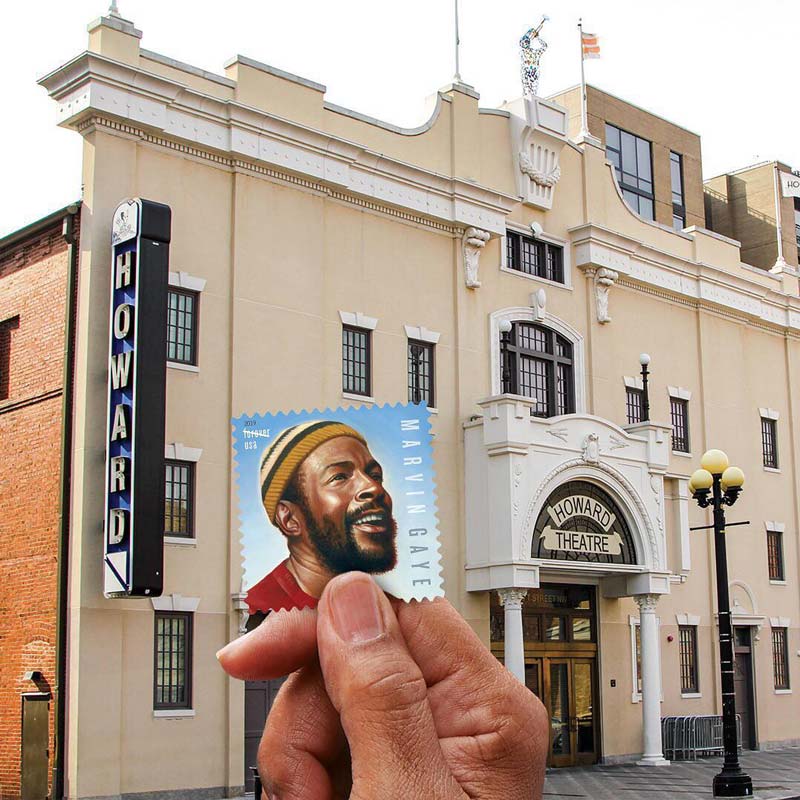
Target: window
<point>179,499</point>
<point>182,326</point>
<point>534,257</point>
<point>637,663</point>
<point>633,165</point>
<point>420,373</point>
<point>678,203</point>
<point>172,684</point>
<point>6,327</point>
<point>769,442</point>
<point>634,405</point>
<point>775,555</point>
<point>537,363</point>
<point>679,413</point>
<point>356,360</point>
<point>797,224</point>
<point>688,656</point>
<point>780,658</point>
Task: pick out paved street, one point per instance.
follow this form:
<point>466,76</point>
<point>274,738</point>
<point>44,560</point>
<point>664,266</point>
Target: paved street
<point>775,774</point>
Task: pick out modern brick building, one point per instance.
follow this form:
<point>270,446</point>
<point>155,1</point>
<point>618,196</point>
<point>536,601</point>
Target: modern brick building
<point>37,272</point>
<point>534,266</point>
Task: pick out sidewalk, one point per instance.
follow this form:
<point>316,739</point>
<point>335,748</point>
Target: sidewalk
<point>775,774</point>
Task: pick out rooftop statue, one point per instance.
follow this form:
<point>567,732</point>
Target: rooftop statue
<point>532,47</point>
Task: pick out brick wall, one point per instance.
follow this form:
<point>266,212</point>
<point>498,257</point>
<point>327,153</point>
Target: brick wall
<point>33,279</point>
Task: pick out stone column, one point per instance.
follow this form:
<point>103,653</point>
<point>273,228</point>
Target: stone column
<point>511,600</point>
<point>651,682</point>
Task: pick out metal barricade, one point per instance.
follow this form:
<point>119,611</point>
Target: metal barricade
<point>687,738</point>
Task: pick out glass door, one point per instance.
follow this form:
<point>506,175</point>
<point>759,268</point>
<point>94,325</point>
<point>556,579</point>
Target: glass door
<point>583,716</point>
<point>558,697</point>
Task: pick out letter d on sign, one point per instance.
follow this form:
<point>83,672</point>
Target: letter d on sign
<point>117,525</point>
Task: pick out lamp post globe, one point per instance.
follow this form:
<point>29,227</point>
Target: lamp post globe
<point>715,461</point>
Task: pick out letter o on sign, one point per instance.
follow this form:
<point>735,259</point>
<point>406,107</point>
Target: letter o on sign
<point>122,321</point>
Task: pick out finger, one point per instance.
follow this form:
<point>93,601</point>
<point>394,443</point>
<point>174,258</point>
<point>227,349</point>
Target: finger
<point>303,749</point>
<point>282,643</point>
<point>380,695</point>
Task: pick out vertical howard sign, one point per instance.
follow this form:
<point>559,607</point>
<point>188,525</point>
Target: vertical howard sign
<point>134,514</point>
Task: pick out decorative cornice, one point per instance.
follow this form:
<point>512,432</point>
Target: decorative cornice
<point>93,89</point>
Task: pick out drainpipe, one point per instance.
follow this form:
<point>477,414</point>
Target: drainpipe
<point>70,234</point>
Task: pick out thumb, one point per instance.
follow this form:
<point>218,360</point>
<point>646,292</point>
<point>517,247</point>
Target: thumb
<point>380,694</point>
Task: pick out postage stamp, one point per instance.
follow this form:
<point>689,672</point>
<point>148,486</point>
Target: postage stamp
<point>324,492</point>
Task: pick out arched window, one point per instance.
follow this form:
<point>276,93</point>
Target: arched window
<point>538,363</point>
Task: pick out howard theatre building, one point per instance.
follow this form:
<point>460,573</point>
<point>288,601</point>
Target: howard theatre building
<point>509,271</point>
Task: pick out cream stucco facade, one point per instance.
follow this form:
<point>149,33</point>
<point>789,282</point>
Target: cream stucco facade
<point>287,211</point>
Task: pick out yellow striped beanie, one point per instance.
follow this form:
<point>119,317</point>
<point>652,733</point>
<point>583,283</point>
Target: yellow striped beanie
<point>289,450</point>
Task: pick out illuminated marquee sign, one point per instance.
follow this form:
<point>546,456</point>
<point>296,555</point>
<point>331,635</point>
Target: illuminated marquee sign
<point>134,517</point>
<point>580,522</point>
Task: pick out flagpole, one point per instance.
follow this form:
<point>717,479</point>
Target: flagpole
<point>457,76</point>
<point>584,121</point>
<point>780,263</point>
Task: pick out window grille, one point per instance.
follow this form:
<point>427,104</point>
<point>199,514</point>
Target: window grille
<point>172,686</point>
<point>534,257</point>
<point>182,326</point>
<point>780,658</point>
<point>688,658</point>
<point>179,498</point>
<point>679,413</point>
<point>775,555</point>
<point>634,405</point>
<point>356,358</point>
<point>420,373</point>
<point>769,442</point>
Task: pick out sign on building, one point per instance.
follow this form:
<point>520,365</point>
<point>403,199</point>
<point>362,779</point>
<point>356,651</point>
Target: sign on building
<point>581,522</point>
<point>134,516</point>
<point>790,184</point>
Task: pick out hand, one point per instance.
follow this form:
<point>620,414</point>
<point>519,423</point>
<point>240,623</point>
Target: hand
<point>403,702</point>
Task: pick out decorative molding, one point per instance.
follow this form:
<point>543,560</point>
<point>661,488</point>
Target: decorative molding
<point>604,279</point>
<point>657,486</point>
<point>591,448</point>
<point>778,527</point>
<point>617,443</point>
<point>183,280</point>
<point>688,619</point>
<point>780,622</point>
<point>769,413</point>
<point>511,598</point>
<point>633,382</point>
<point>180,452</point>
<point>175,602</point>
<point>539,304</point>
<point>679,392</point>
<point>421,334</point>
<point>548,177</point>
<point>647,603</point>
<point>358,320</point>
<point>474,241</point>
<point>559,433</point>
<point>239,602</point>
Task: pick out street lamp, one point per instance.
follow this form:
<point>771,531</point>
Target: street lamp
<point>505,329</point>
<point>717,484</point>
<point>644,360</point>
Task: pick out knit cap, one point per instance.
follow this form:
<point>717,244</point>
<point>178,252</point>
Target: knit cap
<point>289,450</point>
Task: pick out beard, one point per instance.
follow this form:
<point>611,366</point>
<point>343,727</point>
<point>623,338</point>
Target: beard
<point>338,547</point>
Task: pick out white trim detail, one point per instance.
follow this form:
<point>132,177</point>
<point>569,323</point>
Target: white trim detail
<point>421,334</point>
<point>769,413</point>
<point>527,314</point>
<point>690,695</point>
<point>174,713</point>
<point>634,622</point>
<point>777,527</point>
<point>782,691</point>
<point>180,452</point>
<point>633,382</point>
<point>359,398</point>
<point>679,392</point>
<point>688,619</point>
<point>175,602</point>
<point>358,320</point>
<point>181,541</point>
<point>183,367</point>
<point>780,622</point>
<point>183,280</point>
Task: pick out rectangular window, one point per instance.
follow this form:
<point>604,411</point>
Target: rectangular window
<point>634,405</point>
<point>679,413</point>
<point>356,360</point>
<point>172,684</point>
<point>797,224</point>
<point>775,556</point>
<point>179,498</point>
<point>420,373</point>
<point>182,326</point>
<point>769,442</point>
<point>534,257</point>
<point>637,682</point>
<point>633,164</point>
<point>6,328</point>
<point>678,202</point>
<point>780,658</point>
<point>688,656</point>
